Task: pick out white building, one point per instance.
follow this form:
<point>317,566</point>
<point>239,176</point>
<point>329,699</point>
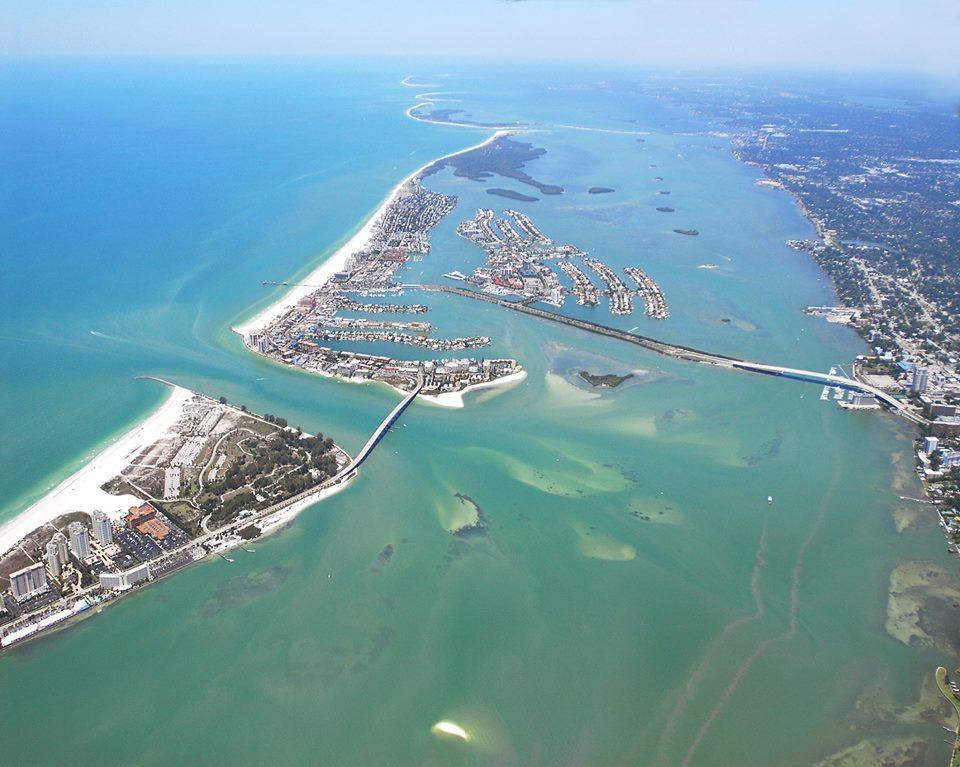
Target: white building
<point>125,579</point>
<point>54,562</point>
<point>102,528</point>
<point>29,582</point>
<point>79,540</point>
<point>949,459</point>
<point>930,444</point>
<point>63,551</point>
<point>919,384</point>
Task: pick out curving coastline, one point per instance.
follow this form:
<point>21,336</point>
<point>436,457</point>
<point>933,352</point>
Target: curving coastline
<point>82,490</point>
<point>454,399</point>
<point>357,242</point>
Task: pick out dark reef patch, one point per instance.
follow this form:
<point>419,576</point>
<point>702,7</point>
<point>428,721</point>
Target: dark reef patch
<point>383,558</point>
<point>510,194</point>
<point>234,592</point>
<point>767,451</point>
<point>475,527</point>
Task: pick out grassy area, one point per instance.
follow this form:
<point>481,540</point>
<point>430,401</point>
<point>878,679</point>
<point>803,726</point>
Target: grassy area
<point>943,684</point>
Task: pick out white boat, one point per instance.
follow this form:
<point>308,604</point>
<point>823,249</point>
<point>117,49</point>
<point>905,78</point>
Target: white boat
<point>770,499</point>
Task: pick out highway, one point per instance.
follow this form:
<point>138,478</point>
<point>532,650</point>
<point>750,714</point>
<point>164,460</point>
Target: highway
<point>685,352</point>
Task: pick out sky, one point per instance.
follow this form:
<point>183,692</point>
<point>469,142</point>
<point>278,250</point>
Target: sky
<point>907,35</point>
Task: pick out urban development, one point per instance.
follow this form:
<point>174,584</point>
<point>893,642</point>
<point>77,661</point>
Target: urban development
<point>217,477</point>
<point>221,476</point>
<point>881,186</point>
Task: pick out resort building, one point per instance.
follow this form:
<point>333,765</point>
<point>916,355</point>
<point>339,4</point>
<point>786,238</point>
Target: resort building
<point>54,561</point>
<point>126,579</point>
<point>919,384</point>
<point>144,520</point>
<point>79,540</point>
<point>102,528</point>
<point>29,582</point>
<point>63,550</point>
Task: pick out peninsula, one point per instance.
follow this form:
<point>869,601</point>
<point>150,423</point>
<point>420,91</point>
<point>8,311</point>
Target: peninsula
<point>296,330</point>
<point>197,479</point>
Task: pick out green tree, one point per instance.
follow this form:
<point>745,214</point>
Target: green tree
<point>936,458</point>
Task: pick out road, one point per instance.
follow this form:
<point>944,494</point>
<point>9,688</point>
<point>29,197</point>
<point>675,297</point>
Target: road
<point>685,352</point>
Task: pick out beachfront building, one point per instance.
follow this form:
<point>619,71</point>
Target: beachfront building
<point>930,444</point>
<point>920,378</point>
<point>102,528</point>
<point>79,540</point>
<point>125,579</point>
<point>54,561</point>
<point>949,459</point>
<point>29,582</point>
<point>63,550</point>
<point>945,426</point>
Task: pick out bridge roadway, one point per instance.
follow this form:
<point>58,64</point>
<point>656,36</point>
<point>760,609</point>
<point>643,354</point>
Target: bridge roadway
<point>344,474</point>
<point>684,352</point>
<point>381,432</point>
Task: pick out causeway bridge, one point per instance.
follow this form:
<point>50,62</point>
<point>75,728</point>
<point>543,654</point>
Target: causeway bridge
<point>379,434</point>
<point>688,353</point>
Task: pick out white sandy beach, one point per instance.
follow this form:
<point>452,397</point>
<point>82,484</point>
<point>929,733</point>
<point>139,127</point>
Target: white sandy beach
<point>338,260</point>
<point>451,123</point>
<point>454,399</point>
<point>280,519</point>
<point>81,490</point>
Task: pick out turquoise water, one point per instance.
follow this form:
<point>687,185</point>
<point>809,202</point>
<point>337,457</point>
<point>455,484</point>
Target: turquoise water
<point>606,615</point>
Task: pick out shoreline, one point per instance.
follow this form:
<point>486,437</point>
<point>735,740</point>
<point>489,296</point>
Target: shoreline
<point>336,261</point>
<point>454,399</point>
<point>274,524</point>
<point>81,491</point>
<point>409,113</point>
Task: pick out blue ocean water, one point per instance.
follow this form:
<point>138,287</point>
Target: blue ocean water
<point>143,205</point>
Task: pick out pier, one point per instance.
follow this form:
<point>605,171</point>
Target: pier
<point>686,352</point>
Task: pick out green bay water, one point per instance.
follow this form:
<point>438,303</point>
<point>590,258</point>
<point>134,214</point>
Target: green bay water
<point>632,599</point>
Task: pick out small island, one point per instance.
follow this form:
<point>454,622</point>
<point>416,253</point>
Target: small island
<point>665,209</point>
<point>688,232</point>
<point>600,190</point>
<point>604,380</point>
